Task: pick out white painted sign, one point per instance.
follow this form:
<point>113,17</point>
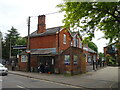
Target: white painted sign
<point>24,58</point>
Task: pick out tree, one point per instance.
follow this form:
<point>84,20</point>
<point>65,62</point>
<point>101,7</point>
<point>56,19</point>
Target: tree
<point>92,16</point>
<point>21,41</point>
<point>93,46</point>
<point>11,39</point>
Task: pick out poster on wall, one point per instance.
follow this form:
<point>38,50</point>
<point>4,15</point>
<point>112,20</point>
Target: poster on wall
<point>24,58</point>
<point>67,60</point>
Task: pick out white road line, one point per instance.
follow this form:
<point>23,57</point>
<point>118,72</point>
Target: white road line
<point>20,86</point>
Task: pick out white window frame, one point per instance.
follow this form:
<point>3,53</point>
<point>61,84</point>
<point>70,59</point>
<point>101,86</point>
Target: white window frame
<point>64,38</point>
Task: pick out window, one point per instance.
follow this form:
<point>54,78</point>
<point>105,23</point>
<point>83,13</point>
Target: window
<point>64,38</point>
<point>74,42</point>
<point>80,44</point>
<point>75,59</point>
<point>71,43</point>
<point>23,58</point>
<point>67,60</point>
<point>113,47</point>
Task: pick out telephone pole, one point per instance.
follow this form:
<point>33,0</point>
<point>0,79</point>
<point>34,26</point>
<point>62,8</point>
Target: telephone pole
<point>28,46</point>
<point>10,50</point>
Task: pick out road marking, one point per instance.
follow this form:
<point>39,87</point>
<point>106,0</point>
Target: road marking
<point>20,86</point>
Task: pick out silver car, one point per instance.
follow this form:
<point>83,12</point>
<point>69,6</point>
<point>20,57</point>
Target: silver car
<point>3,70</point>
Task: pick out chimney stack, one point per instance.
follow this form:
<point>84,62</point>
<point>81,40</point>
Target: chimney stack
<point>41,24</point>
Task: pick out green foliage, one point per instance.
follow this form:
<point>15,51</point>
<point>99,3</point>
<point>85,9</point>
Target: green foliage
<point>101,55</point>
<point>93,46</point>
<point>111,60</point>
<point>91,16</point>
<point>12,38</point>
<point>21,41</point>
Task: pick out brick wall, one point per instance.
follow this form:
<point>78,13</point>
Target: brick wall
<point>22,65</point>
<point>43,42</point>
<point>68,39</point>
<point>80,67</point>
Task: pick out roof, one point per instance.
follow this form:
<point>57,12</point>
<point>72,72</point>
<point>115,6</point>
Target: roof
<point>19,47</point>
<point>89,50</point>
<point>46,51</point>
<point>49,31</point>
<point>73,33</point>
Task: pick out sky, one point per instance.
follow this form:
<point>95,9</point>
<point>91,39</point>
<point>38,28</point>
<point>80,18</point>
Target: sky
<point>16,12</point>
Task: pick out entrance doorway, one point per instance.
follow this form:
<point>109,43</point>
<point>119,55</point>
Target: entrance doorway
<point>50,60</point>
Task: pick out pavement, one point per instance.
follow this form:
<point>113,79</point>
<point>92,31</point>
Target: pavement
<point>106,77</point>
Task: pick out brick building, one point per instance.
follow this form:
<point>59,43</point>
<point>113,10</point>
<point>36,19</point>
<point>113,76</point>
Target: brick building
<point>58,47</point>
<point>111,54</point>
<point>90,57</point>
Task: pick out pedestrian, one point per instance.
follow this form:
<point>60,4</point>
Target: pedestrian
<point>13,65</point>
<point>41,68</point>
<point>47,68</point>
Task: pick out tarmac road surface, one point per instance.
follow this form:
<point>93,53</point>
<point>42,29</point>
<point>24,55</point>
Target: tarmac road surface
<point>16,81</point>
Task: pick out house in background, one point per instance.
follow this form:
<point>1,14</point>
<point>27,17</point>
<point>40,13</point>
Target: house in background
<point>61,49</point>
<point>111,54</point>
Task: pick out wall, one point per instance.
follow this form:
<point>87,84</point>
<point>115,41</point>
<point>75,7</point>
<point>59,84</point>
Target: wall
<point>43,42</point>
<point>68,39</point>
<point>22,65</point>
<point>80,67</point>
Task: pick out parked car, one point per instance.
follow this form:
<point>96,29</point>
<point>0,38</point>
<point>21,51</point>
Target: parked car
<point>3,70</point>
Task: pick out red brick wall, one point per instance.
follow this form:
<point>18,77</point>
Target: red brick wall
<point>80,67</point>
<point>22,65</point>
<point>34,62</point>
<point>68,39</point>
<point>41,24</point>
<point>43,42</point>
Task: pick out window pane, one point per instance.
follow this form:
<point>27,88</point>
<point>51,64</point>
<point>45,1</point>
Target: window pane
<point>67,59</point>
<point>64,39</point>
<point>75,59</point>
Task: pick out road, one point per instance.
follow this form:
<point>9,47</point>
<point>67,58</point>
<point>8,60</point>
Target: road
<point>16,81</point>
